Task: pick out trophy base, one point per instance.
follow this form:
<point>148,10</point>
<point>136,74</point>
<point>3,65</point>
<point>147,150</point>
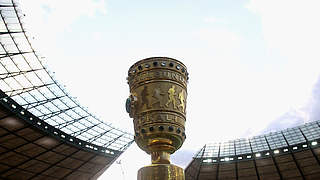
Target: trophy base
<point>161,172</point>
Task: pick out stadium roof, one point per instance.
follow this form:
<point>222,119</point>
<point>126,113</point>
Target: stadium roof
<point>35,106</point>
<point>262,157</point>
<point>26,80</point>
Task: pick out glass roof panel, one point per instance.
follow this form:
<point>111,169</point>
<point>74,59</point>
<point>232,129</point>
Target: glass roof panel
<point>227,148</point>
<point>311,131</point>
<point>258,144</point>
<point>293,136</point>
<point>27,81</point>
<point>276,140</point>
<point>242,146</point>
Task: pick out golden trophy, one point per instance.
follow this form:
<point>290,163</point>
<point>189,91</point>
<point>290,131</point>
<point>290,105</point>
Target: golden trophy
<point>157,104</point>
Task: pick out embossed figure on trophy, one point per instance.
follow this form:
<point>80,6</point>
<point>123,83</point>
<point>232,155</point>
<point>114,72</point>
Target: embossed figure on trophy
<point>182,101</point>
<point>172,99</point>
<point>159,118</point>
<point>134,97</point>
<point>158,95</point>
<point>144,98</point>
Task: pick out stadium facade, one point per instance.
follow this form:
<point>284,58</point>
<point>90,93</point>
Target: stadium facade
<point>289,154</point>
<point>44,132</point>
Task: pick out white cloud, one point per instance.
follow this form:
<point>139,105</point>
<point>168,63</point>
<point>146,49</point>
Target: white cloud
<point>214,20</point>
<point>291,29</point>
<point>290,26</point>
<point>219,39</point>
<point>47,19</point>
<point>59,14</point>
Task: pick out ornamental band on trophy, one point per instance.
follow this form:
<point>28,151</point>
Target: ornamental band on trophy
<point>157,104</point>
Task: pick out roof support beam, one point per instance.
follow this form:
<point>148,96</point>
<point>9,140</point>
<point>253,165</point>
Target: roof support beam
<point>312,151</point>
<point>77,133</point>
<point>3,55</point>
<point>85,162</point>
<point>10,32</point>
<point>254,161</point>
<point>39,103</point>
<point>112,141</point>
<point>236,163</point>
<point>99,135</point>
<point>54,164</point>
<point>13,149</point>
<point>293,157</point>
<point>7,5</point>
<point>67,123</point>
<point>201,161</point>
<point>56,113</point>
<point>16,166</point>
<point>218,165</point>
<point>13,74</point>
<point>273,159</point>
<point>25,89</point>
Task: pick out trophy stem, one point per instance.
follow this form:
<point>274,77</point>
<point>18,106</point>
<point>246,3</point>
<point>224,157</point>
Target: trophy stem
<point>161,157</point>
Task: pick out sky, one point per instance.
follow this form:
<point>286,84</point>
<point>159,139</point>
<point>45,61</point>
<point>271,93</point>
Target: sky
<point>253,64</point>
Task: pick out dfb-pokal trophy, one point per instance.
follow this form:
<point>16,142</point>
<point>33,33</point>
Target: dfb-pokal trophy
<point>157,104</point>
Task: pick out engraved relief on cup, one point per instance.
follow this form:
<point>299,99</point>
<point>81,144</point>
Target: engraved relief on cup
<point>157,103</point>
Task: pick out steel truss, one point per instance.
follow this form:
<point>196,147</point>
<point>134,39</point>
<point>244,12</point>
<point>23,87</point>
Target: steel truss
<point>29,89</point>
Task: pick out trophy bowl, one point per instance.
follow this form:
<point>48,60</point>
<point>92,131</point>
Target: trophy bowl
<point>157,104</point>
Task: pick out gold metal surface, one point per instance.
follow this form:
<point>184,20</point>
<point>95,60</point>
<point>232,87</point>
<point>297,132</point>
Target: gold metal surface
<point>161,172</point>
<point>157,104</point>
